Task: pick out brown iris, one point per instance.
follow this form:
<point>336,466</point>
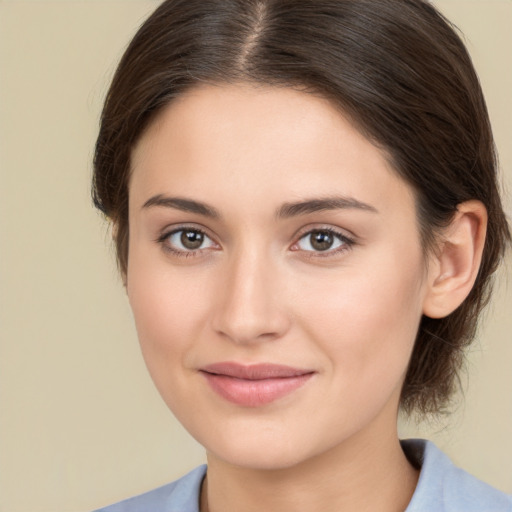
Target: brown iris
<point>321,240</point>
<point>192,239</point>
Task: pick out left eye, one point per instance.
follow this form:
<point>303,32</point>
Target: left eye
<point>321,240</point>
<point>183,240</point>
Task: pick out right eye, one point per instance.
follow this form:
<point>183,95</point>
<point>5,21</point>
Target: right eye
<point>186,241</point>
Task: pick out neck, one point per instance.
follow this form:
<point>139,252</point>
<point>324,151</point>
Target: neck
<point>363,474</point>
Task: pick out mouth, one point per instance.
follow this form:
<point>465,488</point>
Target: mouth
<point>254,385</point>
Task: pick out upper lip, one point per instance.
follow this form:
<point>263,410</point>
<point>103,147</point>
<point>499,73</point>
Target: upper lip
<point>254,371</point>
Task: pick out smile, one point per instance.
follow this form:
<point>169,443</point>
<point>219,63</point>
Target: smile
<point>254,385</point>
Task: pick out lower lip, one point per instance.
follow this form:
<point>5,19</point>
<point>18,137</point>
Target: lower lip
<point>254,393</point>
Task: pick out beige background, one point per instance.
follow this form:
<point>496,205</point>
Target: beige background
<point>80,423</point>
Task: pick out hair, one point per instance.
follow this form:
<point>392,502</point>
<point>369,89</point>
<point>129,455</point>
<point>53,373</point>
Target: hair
<point>397,69</point>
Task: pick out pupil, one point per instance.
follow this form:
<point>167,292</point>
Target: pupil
<point>321,240</point>
<point>192,239</point>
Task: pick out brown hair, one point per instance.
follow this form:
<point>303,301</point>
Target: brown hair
<point>396,67</point>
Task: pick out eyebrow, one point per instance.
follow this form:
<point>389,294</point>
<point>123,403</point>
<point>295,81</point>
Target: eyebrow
<point>322,204</point>
<point>185,205</point>
<point>287,210</point>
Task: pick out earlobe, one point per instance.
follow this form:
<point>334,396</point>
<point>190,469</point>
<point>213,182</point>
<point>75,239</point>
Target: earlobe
<point>454,267</point>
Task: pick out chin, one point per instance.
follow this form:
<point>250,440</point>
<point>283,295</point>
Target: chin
<point>262,447</point>
<point>261,458</point>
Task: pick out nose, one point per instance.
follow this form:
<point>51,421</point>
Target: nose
<point>249,307</point>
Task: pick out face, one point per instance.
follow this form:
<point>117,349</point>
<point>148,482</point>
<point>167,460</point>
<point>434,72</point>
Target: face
<point>275,273</point>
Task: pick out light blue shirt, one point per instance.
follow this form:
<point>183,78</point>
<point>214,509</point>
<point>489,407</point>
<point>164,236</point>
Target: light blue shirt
<point>442,487</point>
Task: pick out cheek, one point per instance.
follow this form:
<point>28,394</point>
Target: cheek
<point>366,320</point>
<point>168,308</point>
<point>169,313</point>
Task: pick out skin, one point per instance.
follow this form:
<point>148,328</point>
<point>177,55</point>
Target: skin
<point>257,291</point>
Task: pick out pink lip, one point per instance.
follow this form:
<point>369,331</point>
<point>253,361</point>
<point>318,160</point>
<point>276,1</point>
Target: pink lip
<point>254,385</point>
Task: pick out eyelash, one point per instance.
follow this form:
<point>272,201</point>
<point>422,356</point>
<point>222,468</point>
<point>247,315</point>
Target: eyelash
<point>163,239</point>
<point>347,242</point>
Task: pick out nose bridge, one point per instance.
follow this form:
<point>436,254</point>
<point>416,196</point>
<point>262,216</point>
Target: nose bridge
<point>248,308</point>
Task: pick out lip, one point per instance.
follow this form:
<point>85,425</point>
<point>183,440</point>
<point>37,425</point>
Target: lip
<point>256,384</point>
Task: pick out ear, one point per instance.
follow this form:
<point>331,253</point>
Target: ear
<point>454,266</point>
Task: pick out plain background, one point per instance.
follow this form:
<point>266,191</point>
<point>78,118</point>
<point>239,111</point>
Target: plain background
<point>80,423</point>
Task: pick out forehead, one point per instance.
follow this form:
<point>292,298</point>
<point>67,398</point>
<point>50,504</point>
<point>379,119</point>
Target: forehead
<point>245,111</point>
<point>260,141</point>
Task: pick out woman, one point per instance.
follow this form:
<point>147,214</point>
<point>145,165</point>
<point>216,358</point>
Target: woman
<point>307,219</point>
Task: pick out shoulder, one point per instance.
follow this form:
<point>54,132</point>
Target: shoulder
<point>444,487</point>
<point>179,496</point>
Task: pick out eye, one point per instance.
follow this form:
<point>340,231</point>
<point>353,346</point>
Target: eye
<point>185,241</point>
<point>323,241</point>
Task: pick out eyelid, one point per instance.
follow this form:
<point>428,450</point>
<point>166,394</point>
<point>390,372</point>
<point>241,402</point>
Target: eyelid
<point>173,228</point>
<point>341,232</point>
<point>176,228</point>
<point>349,240</point>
